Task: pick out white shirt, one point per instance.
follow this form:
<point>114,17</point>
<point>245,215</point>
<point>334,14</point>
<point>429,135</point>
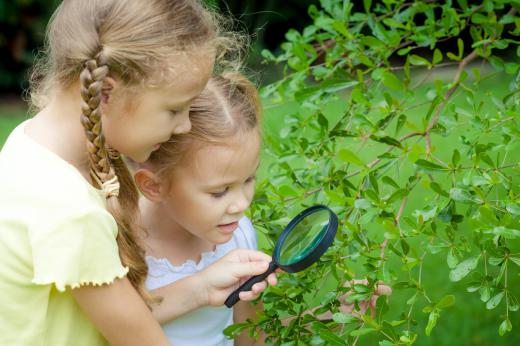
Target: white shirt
<point>204,326</point>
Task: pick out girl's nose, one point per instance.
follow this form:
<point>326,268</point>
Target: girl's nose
<point>239,205</point>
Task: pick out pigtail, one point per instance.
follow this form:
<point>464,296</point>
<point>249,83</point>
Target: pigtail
<point>109,172</point>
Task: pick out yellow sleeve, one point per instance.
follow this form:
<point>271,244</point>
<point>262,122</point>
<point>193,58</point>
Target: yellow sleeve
<point>76,250</point>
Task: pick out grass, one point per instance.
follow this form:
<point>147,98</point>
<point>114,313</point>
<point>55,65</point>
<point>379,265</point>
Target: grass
<point>11,114</point>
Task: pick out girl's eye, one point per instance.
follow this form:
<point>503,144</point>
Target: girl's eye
<point>220,193</point>
<point>250,179</point>
<point>172,112</point>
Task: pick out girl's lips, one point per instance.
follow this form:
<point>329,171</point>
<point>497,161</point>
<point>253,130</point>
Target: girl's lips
<point>228,227</point>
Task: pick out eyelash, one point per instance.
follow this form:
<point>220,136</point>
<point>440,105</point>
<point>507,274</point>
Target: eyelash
<point>221,194</point>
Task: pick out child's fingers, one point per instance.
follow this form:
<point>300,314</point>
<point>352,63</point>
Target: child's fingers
<point>247,269</point>
<point>259,287</point>
<point>247,296</point>
<point>383,290</point>
<point>272,280</point>
<point>246,255</point>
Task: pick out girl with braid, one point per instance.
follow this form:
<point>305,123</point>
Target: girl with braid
<point>118,78</point>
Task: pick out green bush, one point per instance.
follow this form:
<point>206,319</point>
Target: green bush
<point>404,120</point>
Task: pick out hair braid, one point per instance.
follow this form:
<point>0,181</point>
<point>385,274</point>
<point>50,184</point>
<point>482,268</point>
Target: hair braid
<point>109,173</point>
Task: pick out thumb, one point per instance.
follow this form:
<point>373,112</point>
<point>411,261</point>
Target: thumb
<point>245,269</point>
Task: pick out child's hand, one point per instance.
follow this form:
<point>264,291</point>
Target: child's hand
<point>370,303</point>
<point>224,276</point>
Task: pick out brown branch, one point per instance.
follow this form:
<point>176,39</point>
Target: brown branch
<point>400,212</point>
<point>396,221</point>
<point>456,82</point>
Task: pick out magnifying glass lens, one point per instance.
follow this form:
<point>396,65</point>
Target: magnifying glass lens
<point>304,237</point>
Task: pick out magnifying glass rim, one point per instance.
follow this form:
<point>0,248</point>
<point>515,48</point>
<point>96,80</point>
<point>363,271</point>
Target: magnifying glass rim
<point>319,250</point>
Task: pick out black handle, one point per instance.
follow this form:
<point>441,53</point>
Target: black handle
<point>246,286</point>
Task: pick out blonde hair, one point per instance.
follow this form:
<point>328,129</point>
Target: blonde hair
<point>135,42</point>
<point>229,105</point>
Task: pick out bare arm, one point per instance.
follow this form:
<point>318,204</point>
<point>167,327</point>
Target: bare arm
<point>178,298</point>
<point>212,285</point>
<point>242,311</point>
<point>120,314</point>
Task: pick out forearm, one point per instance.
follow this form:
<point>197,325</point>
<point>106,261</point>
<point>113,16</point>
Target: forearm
<point>179,298</point>
<point>243,311</point>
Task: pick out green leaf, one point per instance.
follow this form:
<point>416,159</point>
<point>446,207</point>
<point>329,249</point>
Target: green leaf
<point>366,5</point>
<point>387,140</point>
<point>513,209</point>
<point>493,302</point>
<point>507,233</point>
<point>235,329</point>
<point>350,157</point>
<point>505,327</point>
<point>452,259</point>
<point>485,293</point>
<point>361,331</point>
<point>287,191</point>
<point>340,317</point>
<point>362,203</point>
<point>391,81</point>
<point>331,338</point>
<point>428,165</point>
<point>389,181</point>
<point>400,122</point>
<point>460,45</point>
<point>324,123</point>
<point>446,301</point>
<point>432,321</point>
<point>437,56</point>
<point>398,194</point>
<point>495,261</point>
<point>512,302</point>
<point>464,268</point>
<point>455,157</point>
<point>515,260</point>
<point>417,60</point>
<point>460,195</point>
<point>437,188</point>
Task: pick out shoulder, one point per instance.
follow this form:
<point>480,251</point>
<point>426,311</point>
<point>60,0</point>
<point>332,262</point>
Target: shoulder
<point>39,182</point>
<point>245,235</point>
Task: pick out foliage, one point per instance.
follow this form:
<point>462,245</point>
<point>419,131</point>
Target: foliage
<point>416,166</point>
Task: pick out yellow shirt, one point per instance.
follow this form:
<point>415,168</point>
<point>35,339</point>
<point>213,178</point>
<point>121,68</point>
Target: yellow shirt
<point>55,234</point>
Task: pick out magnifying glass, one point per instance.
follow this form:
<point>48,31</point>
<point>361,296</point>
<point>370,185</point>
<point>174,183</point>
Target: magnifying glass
<point>301,243</point>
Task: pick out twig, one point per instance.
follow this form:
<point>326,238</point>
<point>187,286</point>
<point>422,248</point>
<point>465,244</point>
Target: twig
<point>456,82</point>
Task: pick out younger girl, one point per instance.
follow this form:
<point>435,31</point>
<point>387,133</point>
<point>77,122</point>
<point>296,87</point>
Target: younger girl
<point>119,78</point>
<point>197,187</point>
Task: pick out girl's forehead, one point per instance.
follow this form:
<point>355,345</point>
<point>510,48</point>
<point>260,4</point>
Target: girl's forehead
<point>182,65</point>
<point>240,153</point>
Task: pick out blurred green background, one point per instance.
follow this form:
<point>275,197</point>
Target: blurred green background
<point>22,32</point>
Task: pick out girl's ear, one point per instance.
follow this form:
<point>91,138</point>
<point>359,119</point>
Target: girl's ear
<point>109,86</point>
<point>149,184</point>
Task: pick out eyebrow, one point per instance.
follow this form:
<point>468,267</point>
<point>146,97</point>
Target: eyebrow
<point>226,183</point>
